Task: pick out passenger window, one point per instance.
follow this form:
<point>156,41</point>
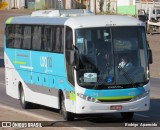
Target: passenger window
<point>10,35</point>
<point>58,36</point>
<point>47,41</point>
<point>18,36</point>
<point>62,40</point>
<point>26,44</point>
<point>58,39</point>
<point>36,39</point>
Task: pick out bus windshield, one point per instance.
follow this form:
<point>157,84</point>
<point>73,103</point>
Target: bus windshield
<point>111,57</point>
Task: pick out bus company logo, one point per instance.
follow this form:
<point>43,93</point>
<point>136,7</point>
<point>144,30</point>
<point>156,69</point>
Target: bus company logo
<point>90,75</point>
<point>6,124</point>
<point>46,62</point>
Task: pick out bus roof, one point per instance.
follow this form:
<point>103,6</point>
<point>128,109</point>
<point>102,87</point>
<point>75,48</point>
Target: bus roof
<point>102,20</point>
<point>78,21</point>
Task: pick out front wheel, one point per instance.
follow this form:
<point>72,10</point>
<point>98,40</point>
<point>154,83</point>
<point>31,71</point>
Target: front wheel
<point>127,115</point>
<point>66,115</point>
<point>23,102</point>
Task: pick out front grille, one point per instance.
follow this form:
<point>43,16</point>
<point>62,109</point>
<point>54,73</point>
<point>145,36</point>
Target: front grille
<point>116,100</point>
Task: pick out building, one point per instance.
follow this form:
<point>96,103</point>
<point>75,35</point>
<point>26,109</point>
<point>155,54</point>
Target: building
<point>92,5</point>
<point>41,4</point>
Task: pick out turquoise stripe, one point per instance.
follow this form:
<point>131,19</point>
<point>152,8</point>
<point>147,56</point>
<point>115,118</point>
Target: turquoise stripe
<point>114,93</point>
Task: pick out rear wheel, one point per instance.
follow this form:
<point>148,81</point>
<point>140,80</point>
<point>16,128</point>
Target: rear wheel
<point>66,115</point>
<point>23,102</point>
<point>127,115</point>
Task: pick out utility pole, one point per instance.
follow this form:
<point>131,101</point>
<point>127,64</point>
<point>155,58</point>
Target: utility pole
<point>51,4</point>
<point>93,5</point>
<point>14,4</point>
<point>60,4</point>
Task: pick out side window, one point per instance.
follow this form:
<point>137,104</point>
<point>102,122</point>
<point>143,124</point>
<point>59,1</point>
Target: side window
<point>68,51</point>
<point>10,36</point>
<point>69,39</point>
<point>58,39</point>
<point>47,41</point>
<point>37,38</point>
<point>62,39</point>
<point>27,35</point>
<point>18,36</point>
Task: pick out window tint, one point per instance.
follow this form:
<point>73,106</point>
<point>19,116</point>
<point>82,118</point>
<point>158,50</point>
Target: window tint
<point>62,40</point>
<point>39,38</point>
<point>36,39</point>
<point>69,39</point>
<point>27,35</point>
<point>58,39</point>
<point>47,41</point>
<point>10,36</point>
<point>68,51</point>
<point>18,36</point>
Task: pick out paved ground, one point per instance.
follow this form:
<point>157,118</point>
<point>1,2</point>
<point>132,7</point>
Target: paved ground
<point>8,114</point>
<point>154,43</point>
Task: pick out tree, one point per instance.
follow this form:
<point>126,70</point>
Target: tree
<point>108,4</point>
<point>101,3</point>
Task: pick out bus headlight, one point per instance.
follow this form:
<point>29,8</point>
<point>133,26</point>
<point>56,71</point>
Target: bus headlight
<point>87,98</point>
<point>146,93</point>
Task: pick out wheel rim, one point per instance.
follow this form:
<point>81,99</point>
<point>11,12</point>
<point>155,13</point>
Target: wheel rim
<point>22,97</point>
<point>63,109</point>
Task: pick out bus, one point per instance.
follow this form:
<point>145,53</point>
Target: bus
<point>78,62</point>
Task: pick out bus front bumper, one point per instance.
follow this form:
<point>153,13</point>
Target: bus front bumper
<point>87,107</point>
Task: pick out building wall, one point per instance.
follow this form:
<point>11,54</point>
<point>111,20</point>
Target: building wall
<point>109,6</point>
<point>126,7</point>
<point>39,4</point>
<point>15,3</point>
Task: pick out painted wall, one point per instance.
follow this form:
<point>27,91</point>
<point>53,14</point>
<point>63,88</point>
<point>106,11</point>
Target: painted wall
<point>15,4</point>
<point>126,7</point>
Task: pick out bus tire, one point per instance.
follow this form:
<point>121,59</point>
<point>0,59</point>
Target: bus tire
<point>68,116</point>
<point>23,102</point>
<point>127,115</point>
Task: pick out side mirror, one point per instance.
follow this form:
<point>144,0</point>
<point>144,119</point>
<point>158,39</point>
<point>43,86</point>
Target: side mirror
<point>150,58</point>
<point>73,58</point>
<point>70,57</point>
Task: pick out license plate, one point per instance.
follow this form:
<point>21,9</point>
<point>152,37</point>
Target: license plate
<point>116,107</point>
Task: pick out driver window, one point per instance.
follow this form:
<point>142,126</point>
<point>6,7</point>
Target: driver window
<point>68,49</point>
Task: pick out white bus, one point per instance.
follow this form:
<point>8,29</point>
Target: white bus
<point>78,62</point>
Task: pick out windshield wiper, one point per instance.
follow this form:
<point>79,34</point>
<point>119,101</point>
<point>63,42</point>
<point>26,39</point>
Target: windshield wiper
<point>129,79</point>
